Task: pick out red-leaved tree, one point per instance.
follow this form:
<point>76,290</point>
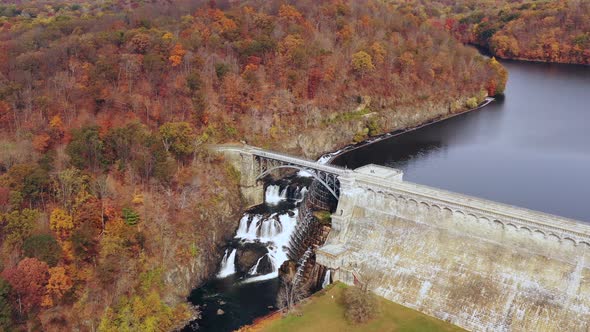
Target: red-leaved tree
<point>28,280</point>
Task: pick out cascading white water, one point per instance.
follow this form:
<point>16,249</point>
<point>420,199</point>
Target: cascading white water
<point>326,281</point>
<point>273,231</point>
<point>273,194</point>
<point>276,234</point>
<point>301,194</point>
<point>248,227</point>
<point>228,264</point>
<point>243,227</point>
<point>284,193</point>
<point>254,268</point>
<point>254,228</point>
<point>269,228</point>
<point>304,174</point>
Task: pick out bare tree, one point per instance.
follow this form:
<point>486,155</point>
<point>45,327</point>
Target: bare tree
<point>367,275</point>
<point>291,291</point>
<point>101,190</point>
<point>68,183</point>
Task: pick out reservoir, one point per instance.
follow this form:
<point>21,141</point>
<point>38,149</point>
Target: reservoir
<point>529,149</point>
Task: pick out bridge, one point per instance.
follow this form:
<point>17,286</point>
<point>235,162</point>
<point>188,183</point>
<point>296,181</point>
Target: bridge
<point>481,265</point>
<point>261,163</point>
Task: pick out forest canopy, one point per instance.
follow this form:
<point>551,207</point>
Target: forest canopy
<point>109,203</point>
<point>551,31</point>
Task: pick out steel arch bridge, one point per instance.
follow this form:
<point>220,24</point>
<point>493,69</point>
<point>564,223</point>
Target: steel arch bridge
<point>266,162</point>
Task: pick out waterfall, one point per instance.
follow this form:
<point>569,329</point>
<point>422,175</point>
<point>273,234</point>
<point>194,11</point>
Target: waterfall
<point>326,281</point>
<point>228,264</point>
<point>250,264</point>
<point>301,267</point>
<point>268,228</point>
<point>243,228</point>
<point>304,174</point>
<point>273,195</point>
<point>260,228</point>
<point>300,194</point>
<point>252,228</point>
<point>277,245</point>
<point>274,231</point>
<point>254,268</point>
<point>283,194</point>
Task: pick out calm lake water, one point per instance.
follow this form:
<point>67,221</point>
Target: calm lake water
<point>529,149</point>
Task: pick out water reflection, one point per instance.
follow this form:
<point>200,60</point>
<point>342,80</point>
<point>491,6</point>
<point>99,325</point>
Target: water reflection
<point>528,149</point>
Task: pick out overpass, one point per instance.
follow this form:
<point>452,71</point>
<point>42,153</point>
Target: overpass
<point>481,265</point>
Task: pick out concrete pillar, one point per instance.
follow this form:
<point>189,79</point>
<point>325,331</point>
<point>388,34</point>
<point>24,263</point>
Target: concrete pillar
<point>245,162</point>
<point>341,218</point>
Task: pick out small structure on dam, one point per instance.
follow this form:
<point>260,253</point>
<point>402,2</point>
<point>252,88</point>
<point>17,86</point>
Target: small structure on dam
<point>478,264</point>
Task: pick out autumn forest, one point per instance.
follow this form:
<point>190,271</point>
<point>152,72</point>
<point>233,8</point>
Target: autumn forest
<point>111,207</point>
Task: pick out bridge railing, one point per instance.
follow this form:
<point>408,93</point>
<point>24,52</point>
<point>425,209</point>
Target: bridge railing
<point>306,163</point>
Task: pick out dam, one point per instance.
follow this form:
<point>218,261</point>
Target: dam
<point>481,265</point>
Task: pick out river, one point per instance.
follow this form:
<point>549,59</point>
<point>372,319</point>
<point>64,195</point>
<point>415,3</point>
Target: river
<point>529,149</point>
<point>245,289</point>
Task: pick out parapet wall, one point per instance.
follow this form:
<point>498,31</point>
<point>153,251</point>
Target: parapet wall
<point>481,265</point>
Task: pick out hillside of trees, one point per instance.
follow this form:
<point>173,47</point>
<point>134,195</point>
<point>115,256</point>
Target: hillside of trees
<point>111,209</point>
<point>538,30</point>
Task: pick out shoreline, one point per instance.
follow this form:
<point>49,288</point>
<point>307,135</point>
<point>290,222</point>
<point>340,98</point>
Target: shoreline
<point>486,51</point>
<point>328,157</point>
<point>539,61</point>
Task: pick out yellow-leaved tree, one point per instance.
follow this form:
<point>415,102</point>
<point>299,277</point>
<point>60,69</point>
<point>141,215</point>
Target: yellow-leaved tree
<point>61,223</point>
<point>362,63</point>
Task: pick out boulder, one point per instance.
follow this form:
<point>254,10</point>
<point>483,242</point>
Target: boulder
<point>265,266</point>
<point>247,255</point>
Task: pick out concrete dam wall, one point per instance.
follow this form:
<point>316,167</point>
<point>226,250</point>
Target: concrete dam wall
<point>480,265</point>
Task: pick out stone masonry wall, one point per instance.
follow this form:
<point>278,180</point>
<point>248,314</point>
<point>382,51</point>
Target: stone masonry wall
<point>480,265</point>
<point>252,189</point>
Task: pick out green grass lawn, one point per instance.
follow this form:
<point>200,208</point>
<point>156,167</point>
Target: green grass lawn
<point>324,312</point>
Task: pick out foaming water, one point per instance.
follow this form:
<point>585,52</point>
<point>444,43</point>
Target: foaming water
<point>228,264</point>
<point>243,293</point>
<point>273,231</point>
<point>327,279</point>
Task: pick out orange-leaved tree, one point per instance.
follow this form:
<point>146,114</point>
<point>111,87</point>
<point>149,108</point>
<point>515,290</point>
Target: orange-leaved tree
<point>58,285</point>
<point>176,55</point>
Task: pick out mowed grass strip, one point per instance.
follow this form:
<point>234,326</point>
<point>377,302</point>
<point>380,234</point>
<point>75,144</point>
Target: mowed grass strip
<point>324,312</point>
